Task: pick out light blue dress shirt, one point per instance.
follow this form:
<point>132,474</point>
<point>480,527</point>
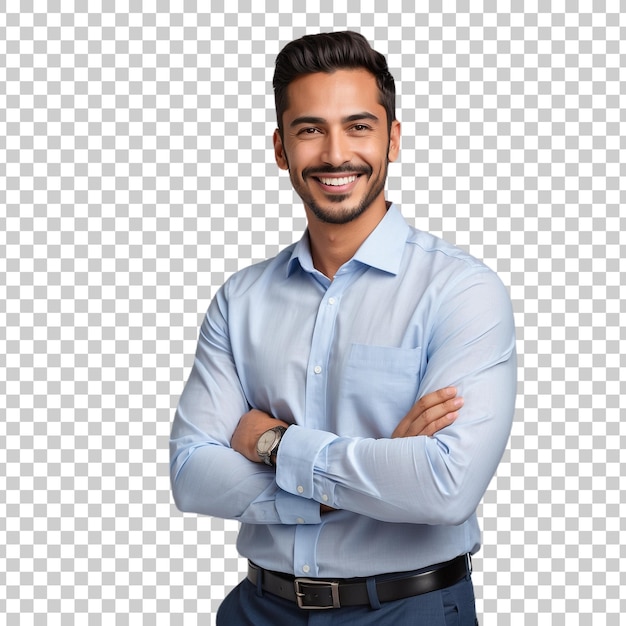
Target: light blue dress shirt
<point>344,361</point>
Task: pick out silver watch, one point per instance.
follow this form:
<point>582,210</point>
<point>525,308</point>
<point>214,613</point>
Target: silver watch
<point>268,442</point>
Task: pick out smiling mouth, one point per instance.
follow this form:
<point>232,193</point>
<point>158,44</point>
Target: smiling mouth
<point>337,182</point>
<point>333,185</point>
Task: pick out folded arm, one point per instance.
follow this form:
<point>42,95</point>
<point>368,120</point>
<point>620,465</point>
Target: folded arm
<point>214,466</point>
<point>207,475</point>
<point>407,478</point>
<point>425,480</point>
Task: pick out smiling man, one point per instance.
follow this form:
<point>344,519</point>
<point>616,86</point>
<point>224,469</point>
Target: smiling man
<point>351,398</point>
<point>354,146</point>
<point>337,162</point>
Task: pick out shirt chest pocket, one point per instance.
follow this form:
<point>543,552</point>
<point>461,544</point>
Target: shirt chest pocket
<point>378,387</point>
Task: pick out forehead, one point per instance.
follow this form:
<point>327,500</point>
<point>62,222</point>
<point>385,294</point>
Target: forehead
<point>333,95</point>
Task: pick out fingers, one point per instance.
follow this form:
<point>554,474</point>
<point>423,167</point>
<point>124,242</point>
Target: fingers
<point>434,398</point>
<point>433,420</point>
<point>425,403</point>
<point>430,414</point>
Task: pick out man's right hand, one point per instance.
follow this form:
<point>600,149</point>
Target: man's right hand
<point>430,414</point>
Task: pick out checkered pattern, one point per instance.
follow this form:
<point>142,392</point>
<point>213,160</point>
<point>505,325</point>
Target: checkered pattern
<point>136,174</point>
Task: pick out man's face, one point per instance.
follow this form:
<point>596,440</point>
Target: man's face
<point>336,145</point>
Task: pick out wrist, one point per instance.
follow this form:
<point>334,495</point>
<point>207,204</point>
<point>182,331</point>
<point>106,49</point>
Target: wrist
<point>268,443</point>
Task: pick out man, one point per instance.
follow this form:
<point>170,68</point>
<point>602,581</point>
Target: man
<point>322,410</point>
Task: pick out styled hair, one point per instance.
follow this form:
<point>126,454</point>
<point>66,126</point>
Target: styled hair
<point>328,52</point>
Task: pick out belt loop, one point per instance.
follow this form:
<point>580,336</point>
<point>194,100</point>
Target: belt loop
<point>259,582</point>
<point>372,594</point>
<point>469,566</point>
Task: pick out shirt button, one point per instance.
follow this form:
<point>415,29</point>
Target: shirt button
<point>306,569</point>
<point>300,520</point>
<point>325,498</point>
<point>317,369</point>
<point>300,489</point>
<point>331,301</point>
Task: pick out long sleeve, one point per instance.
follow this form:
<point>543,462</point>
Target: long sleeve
<point>342,361</point>
<point>425,480</point>
<point>207,476</point>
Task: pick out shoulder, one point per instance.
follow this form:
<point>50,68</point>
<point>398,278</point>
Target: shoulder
<point>437,250</point>
<point>265,272</point>
<point>246,285</point>
<point>452,271</point>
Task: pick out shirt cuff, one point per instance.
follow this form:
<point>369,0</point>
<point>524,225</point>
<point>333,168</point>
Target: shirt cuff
<point>295,466</point>
<point>294,510</point>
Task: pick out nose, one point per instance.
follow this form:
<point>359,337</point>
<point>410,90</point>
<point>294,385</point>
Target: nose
<point>336,150</point>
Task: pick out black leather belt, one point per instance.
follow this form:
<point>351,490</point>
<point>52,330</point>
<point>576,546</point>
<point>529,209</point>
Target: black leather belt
<point>317,593</point>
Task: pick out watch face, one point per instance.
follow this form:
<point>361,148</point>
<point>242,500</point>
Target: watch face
<point>266,440</point>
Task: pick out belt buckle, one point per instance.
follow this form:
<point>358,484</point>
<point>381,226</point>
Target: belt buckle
<point>331,587</point>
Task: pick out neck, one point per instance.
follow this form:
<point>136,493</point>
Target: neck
<point>332,245</point>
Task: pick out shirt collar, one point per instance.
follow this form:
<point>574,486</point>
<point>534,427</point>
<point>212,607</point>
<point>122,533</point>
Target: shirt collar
<point>382,249</point>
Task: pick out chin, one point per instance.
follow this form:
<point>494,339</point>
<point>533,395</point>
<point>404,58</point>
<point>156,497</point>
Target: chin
<point>337,215</point>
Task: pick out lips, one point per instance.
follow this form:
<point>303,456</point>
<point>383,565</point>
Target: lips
<point>337,182</point>
<point>334,185</point>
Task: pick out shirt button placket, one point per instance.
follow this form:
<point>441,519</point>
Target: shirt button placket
<point>307,535</point>
<point>320,349</point>
<point>305,554</point>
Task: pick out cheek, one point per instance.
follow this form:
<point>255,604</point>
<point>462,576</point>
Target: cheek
<point>302,155</point>
<point>376,153</point>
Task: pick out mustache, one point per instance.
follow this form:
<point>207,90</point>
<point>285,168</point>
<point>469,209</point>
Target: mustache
<point>347,168</point>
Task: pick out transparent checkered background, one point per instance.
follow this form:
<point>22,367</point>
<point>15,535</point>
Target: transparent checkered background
<point>136,174</point>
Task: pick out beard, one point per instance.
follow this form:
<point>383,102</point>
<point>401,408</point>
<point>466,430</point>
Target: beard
<point>332,213</point>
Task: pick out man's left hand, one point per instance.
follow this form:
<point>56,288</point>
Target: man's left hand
<point>251,426</point>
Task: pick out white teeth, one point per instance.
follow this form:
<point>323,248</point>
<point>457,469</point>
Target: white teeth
<point>336,182</point>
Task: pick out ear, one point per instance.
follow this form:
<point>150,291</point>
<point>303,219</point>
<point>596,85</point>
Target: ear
<point>279,151</point>
<point>394,141</point>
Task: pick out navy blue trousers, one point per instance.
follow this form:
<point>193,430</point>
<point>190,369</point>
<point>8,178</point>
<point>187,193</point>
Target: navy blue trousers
<point>454,606</point>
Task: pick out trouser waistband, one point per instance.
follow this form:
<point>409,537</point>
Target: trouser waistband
<point>316,593</point>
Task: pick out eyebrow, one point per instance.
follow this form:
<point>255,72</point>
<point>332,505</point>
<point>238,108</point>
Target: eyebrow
<point>308,119</point>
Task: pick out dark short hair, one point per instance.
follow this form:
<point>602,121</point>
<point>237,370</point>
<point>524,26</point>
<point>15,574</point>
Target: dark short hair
<point>328,52</point>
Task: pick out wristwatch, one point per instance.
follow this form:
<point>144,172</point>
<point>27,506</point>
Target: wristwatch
<point>268,442</point>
